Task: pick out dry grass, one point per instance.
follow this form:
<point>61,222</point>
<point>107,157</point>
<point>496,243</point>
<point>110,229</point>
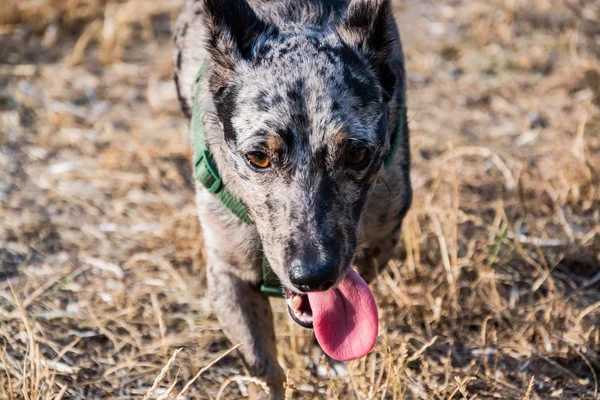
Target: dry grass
<point>495,292</point>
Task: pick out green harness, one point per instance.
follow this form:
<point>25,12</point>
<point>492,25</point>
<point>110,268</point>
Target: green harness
<point>205,172</point>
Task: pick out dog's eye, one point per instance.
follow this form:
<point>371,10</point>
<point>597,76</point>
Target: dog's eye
<point>258,159</point>
<point>355,157</point>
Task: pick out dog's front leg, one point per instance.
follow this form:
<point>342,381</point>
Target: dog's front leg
<point>245,316</point>
<point>234,269</point>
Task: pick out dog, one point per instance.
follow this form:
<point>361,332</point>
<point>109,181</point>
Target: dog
<point>302,164</point>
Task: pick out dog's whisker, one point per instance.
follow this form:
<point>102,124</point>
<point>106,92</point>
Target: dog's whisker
<point>382,179</point>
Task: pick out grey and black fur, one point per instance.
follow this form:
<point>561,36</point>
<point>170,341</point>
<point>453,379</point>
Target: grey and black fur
<point>305,82</point>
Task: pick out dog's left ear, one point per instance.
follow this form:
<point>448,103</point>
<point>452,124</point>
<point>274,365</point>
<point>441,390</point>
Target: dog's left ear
<point>233,29</point>
<point>369,27</point>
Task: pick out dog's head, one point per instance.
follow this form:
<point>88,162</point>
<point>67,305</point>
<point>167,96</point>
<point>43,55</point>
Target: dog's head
<point>304,118</point>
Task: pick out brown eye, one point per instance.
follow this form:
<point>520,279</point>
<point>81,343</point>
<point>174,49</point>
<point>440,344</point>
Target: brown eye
<point>258,159</point>
<point>355,157</point>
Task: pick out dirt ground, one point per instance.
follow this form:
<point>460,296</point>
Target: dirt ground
<point>495,291</point>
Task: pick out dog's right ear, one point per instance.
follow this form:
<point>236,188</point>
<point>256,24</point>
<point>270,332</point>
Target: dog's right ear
<point>369,27</point>
<point>233,29</point>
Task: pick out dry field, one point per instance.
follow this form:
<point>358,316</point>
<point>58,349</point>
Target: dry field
<point>495,291</point>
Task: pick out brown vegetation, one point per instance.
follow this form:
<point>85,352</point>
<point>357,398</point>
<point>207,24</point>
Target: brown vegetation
<point>495,292</point>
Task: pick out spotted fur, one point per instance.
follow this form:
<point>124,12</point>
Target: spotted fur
<point>304,81</point>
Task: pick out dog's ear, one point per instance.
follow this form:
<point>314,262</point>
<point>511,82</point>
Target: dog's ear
<point>369,27</point>
<point>233,29</point>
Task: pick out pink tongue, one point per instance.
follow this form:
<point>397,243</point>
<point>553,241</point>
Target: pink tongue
<point>345,318</point>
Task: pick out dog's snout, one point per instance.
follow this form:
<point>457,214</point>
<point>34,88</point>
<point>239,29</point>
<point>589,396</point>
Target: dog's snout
<point>310,277</point>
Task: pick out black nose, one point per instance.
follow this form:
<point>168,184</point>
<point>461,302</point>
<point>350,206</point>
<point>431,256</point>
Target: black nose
<point>310,277</point>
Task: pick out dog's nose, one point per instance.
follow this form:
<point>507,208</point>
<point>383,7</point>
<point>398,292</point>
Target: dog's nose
<point>312,277</point>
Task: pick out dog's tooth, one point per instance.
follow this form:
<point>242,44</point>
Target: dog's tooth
<point>296,302</point>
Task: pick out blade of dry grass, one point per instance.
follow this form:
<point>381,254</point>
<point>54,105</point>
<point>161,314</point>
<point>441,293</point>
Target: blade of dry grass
<point>248,379</point>
<point>162,374</point>
<point>529,389</point>
<point>11,391</point>
<point>206,368</point>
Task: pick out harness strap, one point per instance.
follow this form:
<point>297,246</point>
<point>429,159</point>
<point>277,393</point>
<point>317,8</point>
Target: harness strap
<point>207,174</point>
<point>205,169</point>
<point>270,285</point>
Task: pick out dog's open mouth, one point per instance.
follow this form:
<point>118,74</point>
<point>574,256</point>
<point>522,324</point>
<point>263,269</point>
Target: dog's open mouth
<point>344,318</point>
<point>299,308</point>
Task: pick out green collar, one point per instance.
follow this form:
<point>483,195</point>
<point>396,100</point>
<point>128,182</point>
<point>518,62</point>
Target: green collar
<point>205,172</point>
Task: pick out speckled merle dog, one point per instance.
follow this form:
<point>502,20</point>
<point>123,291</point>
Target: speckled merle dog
<point>300,101</point>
